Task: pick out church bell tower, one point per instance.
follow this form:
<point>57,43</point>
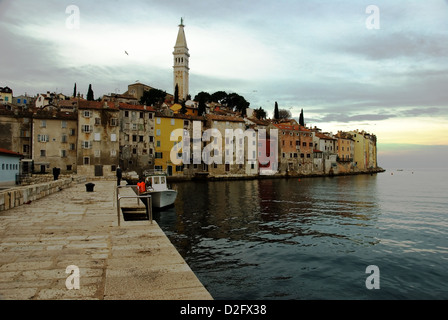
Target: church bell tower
<point>181,60</point>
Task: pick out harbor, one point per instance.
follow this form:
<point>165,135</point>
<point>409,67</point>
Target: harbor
<point>72,227</point>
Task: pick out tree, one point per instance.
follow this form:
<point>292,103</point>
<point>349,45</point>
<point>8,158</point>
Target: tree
<point>90,94</point>
<point>202,106</point>
<point>219,96</point>
<point>284,114</point>
<point>153,97</point>
<point>74,91</point>
<point>183,110</point>
<point>204,96</point>
<point>301,119</point>
<point>260,113</point>
<point>236,102</point>
<point>276,113</point>
<point>176,94</point>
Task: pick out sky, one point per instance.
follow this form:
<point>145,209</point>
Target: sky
<point>348,65</point>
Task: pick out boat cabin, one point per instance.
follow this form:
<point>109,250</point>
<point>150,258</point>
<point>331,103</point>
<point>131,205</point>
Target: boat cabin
<point>156,183</point>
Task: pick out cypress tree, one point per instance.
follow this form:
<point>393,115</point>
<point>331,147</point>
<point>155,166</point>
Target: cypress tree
<point>90,93</point>
<point>276,113</point>
<point>301,119</point>
<point>176,94</point>
<point>74,91</point>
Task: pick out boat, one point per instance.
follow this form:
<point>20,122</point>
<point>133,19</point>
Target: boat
<point>156,185</point>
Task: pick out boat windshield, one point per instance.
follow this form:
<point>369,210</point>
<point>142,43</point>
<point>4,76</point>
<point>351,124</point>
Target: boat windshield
<point>162,180</point>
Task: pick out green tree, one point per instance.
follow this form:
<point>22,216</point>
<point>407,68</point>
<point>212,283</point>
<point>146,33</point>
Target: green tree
<point>260,113</point>
<point>204,96</point>
<point>90,94</point>
<point>276,112</point>
<point>219,96</point>
<point>74,91</point>
<point>153,97</point>
<point>183,110</point>
<point>176,94</point>
<point>301,119</point>
<point>202,106</point>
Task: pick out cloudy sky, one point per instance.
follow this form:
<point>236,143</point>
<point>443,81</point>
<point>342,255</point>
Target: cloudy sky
<point>383,71</point>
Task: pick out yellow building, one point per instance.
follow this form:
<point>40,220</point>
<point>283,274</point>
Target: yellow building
<point>5,95</point>
<point>164,127</point>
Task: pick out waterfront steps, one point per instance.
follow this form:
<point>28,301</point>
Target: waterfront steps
<point>72,227</point>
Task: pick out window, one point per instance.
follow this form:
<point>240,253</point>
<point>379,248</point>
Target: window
<point>43,153</point>
<point>43,138</point>
<point>87,114</point>
<point>69,167</point>
<point>134,151</point>
<point>158,143</point>
<point>141,115</point>
<point>72,146</point>
<point>86,128</point>
<point>179,168</point>
<point>64,138</point>
<point>86,145</point>
<point>97,121</point>
<point>113,153</point>
<point>134,138</point>
<point>63,124</point>
<point>72,132</point>
<point>86,161</point>
<point>113,122</point>
<point>304,144</point>
<point>134,126</point>
<point>151,139</point>
<point>63,153</point>
<point>158,120</point>
<point>126,114</point>
<point>158,132</point>
<point>159,155</point>
<point>43,123</point>
<point>97,153</point>
<point>140,139</point>
<point>150,115</point>
<point>97,137</point>
<point>172,122</point>
<point>113,137</point>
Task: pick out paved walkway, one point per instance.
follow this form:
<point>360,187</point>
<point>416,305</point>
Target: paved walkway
<point>74,227</point>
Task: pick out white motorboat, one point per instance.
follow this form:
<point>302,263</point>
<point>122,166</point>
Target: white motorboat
<point>161,195</point>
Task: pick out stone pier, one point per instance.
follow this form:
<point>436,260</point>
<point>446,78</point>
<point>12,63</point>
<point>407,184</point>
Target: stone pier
<point>72,227</point>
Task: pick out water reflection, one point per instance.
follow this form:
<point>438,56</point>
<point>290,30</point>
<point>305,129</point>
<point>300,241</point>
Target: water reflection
<point>289,211</point>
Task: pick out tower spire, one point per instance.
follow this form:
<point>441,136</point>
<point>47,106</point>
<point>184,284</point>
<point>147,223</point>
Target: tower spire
<point>181,63</point>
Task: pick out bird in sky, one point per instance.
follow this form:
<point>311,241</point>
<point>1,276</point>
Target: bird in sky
<point>126,52</point>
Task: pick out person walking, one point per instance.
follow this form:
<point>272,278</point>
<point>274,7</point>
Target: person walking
<point>119,175</point>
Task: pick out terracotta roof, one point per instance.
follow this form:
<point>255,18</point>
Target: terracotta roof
<point>290,127</point>
<point>323,136</point>
<point>9,152</point>
<point>216,117</point>
<point>84,104</point>
<point>138,107</point>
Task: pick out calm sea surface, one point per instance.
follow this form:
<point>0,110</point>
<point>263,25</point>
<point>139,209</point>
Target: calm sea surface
<point>314,238</point>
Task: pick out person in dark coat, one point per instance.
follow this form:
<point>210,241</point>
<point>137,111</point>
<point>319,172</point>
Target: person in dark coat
<point>119,175</point>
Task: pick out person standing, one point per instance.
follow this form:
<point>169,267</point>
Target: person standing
<point>119,175</point>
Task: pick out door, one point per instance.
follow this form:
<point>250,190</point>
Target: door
<point>170,170</point>
<point>98,171</point>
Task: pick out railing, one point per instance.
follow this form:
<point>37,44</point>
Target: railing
<point>338,159</point>
<point>138,197</point>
